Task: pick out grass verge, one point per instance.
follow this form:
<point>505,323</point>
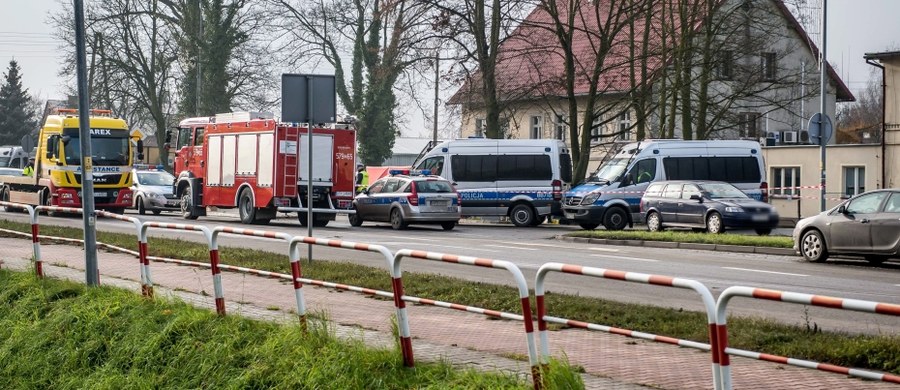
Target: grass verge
<point>688,237</point>
<point>59,334</point>
<point>877,352</point>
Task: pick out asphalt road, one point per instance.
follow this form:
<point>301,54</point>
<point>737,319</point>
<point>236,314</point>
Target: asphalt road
<point>531,247</point>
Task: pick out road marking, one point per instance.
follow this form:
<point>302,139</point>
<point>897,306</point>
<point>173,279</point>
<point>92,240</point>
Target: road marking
<point>531,244</point>
<point>511,247</point>
<point>464,248</point>
<point>412,238</point>
<point>762,271</point>
<point>603,249</point>
<point>626,258</point>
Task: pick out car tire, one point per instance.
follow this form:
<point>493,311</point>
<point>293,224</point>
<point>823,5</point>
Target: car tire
<point>355,219</point>
<point>522,215</point>
<point>448,225</point>
<point>615,219</point>
<point>157,212</point>
<point>588,225</point>
<point>397,222</point>
<point>142,210</point>
<point>877,259</point>
<point>763,232</point>
<point>813,247</point>
<point>539,220</point>
<point>187,206</point>
<point>246,208</point>
<point>714,223</point>
<point>654,224</point>
<point>319,222</point>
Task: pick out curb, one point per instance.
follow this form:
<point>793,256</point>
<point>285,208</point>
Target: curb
<point>683,245</point>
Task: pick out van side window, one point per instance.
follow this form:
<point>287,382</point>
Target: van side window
<point>474,168</point>
<point>728,169</point>
<point>434,164</point>
<point>643,172</point>
<point>524,167</point>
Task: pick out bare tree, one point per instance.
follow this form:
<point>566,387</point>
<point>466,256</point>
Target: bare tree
<point>381,38</point>
<point>864,116</point>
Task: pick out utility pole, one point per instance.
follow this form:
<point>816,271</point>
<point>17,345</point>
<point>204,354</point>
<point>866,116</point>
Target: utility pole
<point>824,117</point>
<point>92,275</point>
<point>199,47</point>
<point>437,84</point>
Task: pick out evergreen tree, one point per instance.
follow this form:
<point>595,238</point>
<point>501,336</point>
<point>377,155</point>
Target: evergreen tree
<point>17,113</point>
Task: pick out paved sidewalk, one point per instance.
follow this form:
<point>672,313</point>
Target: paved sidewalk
<point>610,362</point>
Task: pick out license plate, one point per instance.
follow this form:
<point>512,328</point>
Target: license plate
<point>439,203</point>
<point>570,215</point>
<point>172,203</point>
<point>100,194</point>
<point>760,217</point>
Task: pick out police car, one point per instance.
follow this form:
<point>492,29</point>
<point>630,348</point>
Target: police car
<point>153,190</point>
<point>408,197</point>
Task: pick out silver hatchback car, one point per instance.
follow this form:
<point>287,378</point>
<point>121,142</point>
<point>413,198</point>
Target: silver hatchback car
<point>404,198</point>
<point>153,191</point>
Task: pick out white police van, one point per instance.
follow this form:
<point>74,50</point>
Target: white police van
<point>611,196</point>
<point>13,157</point>
<point>521,179</point>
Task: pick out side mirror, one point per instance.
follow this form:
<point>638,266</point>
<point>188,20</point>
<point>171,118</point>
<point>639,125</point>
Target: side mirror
<point>697,198</point>
<point>842,209</point>
<point>52,143</point>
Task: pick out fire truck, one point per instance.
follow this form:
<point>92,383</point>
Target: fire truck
<point>256,164</point>
<point>57,170</point>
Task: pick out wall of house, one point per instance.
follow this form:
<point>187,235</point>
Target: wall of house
<point>892,121</point>
<point>840,159</point>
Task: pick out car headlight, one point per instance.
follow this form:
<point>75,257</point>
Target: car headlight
<point>153,195</point>
<point>590,198</point>
<point>734,210</point>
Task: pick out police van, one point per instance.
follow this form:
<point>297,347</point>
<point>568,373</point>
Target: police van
<point>611,196</point>
<point>13,157</point>
<point>521,179</point>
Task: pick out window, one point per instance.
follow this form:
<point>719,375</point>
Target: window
<point>625,126</point>
<point>748,124</point>
<point>537,127</point>
<point>596,130</point>
<point>479,127</point>
<point>893,204</point>
<point>524,167</point>
<point>728,169</point>
<point>785,181</point>
<point>725,67</point>
<point>392,185</point>
<point>198,138</point>
<point>767,60</point>
<point>866,204</point>
<point>643,172</point>
<point>854,180</point>
<point>655,189</point>
<point>434,164</point>
<point>184,137</point>
<point>562,127</point>
<point>689,190</point>
<point>673,191</point>
<point>376,188</point>
<point>474,168</point>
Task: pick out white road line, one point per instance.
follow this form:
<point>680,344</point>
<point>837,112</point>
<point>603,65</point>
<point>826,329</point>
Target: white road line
<point>603,249</point>
<point>762,271</point>
<point>531,244</point>
<point>468,248</point>
<point>511,247</point>
<point>626,258</point>
<point>412,238</point>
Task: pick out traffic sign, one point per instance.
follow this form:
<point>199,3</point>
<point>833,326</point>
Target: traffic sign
<point>820,128</point>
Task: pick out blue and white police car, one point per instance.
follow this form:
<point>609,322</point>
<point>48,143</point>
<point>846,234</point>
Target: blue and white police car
<point>407,197</point>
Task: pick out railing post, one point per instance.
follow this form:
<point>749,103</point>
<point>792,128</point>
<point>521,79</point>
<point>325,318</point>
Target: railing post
<point>35,242</point>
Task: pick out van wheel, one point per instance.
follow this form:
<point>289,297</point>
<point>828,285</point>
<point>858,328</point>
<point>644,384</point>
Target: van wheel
<point>539,220</point>
<point>653,222</point>
<point>615,219</point>
<point>522,215</point>
<point>714,223</point>
<point>588,225</point>
<point>246,208</point>
<point>397,221</point>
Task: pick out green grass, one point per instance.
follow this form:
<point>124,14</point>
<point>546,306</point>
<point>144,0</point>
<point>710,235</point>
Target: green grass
<point>62,335</point>
<point>688,237</point>
<point>879,352</point>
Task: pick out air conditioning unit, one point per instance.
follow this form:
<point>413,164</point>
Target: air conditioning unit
<point>773,138</point>
<point>789,137</point>
<point>804,137</point>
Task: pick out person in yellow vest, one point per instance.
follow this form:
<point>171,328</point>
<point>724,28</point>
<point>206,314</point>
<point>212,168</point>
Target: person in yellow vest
<point>29,169</point>
<point>362,178</point>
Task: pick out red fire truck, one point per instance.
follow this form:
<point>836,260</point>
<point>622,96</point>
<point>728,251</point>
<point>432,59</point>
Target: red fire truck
<point>254,163</point>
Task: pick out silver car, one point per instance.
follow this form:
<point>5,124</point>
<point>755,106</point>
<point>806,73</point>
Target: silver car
<point>153,191</point>
<point>402,199</point>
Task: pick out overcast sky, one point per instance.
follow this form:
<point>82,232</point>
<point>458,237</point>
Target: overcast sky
<point>855,27</point>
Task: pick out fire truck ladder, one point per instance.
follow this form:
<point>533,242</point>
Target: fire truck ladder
<point>291,133</point>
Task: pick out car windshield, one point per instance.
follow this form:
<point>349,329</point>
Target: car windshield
<point>722,191</point>
<point>609,171</point>
<point>4,161</point>
<point>434,186</point>
<point>106,151</point>
<point>155,178</point>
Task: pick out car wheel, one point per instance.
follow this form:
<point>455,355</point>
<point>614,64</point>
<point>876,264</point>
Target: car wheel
<point>876,259</point>
<point>714,223</point>
<point>588,225</point>
<point>448,225</point>
<point>763,232</point>
<point>397,220</point>
<point>187,207</point>
<point>140,206</point>
<point>812,247</point>
<point>615,219</point>
<point>522,215</point>
<point>653,222</point>
<point>355,219</point>
<point>157,212</point>
<point>246,208</point>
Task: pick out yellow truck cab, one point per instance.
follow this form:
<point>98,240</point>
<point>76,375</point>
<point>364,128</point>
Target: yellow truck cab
<point>58,171</point>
